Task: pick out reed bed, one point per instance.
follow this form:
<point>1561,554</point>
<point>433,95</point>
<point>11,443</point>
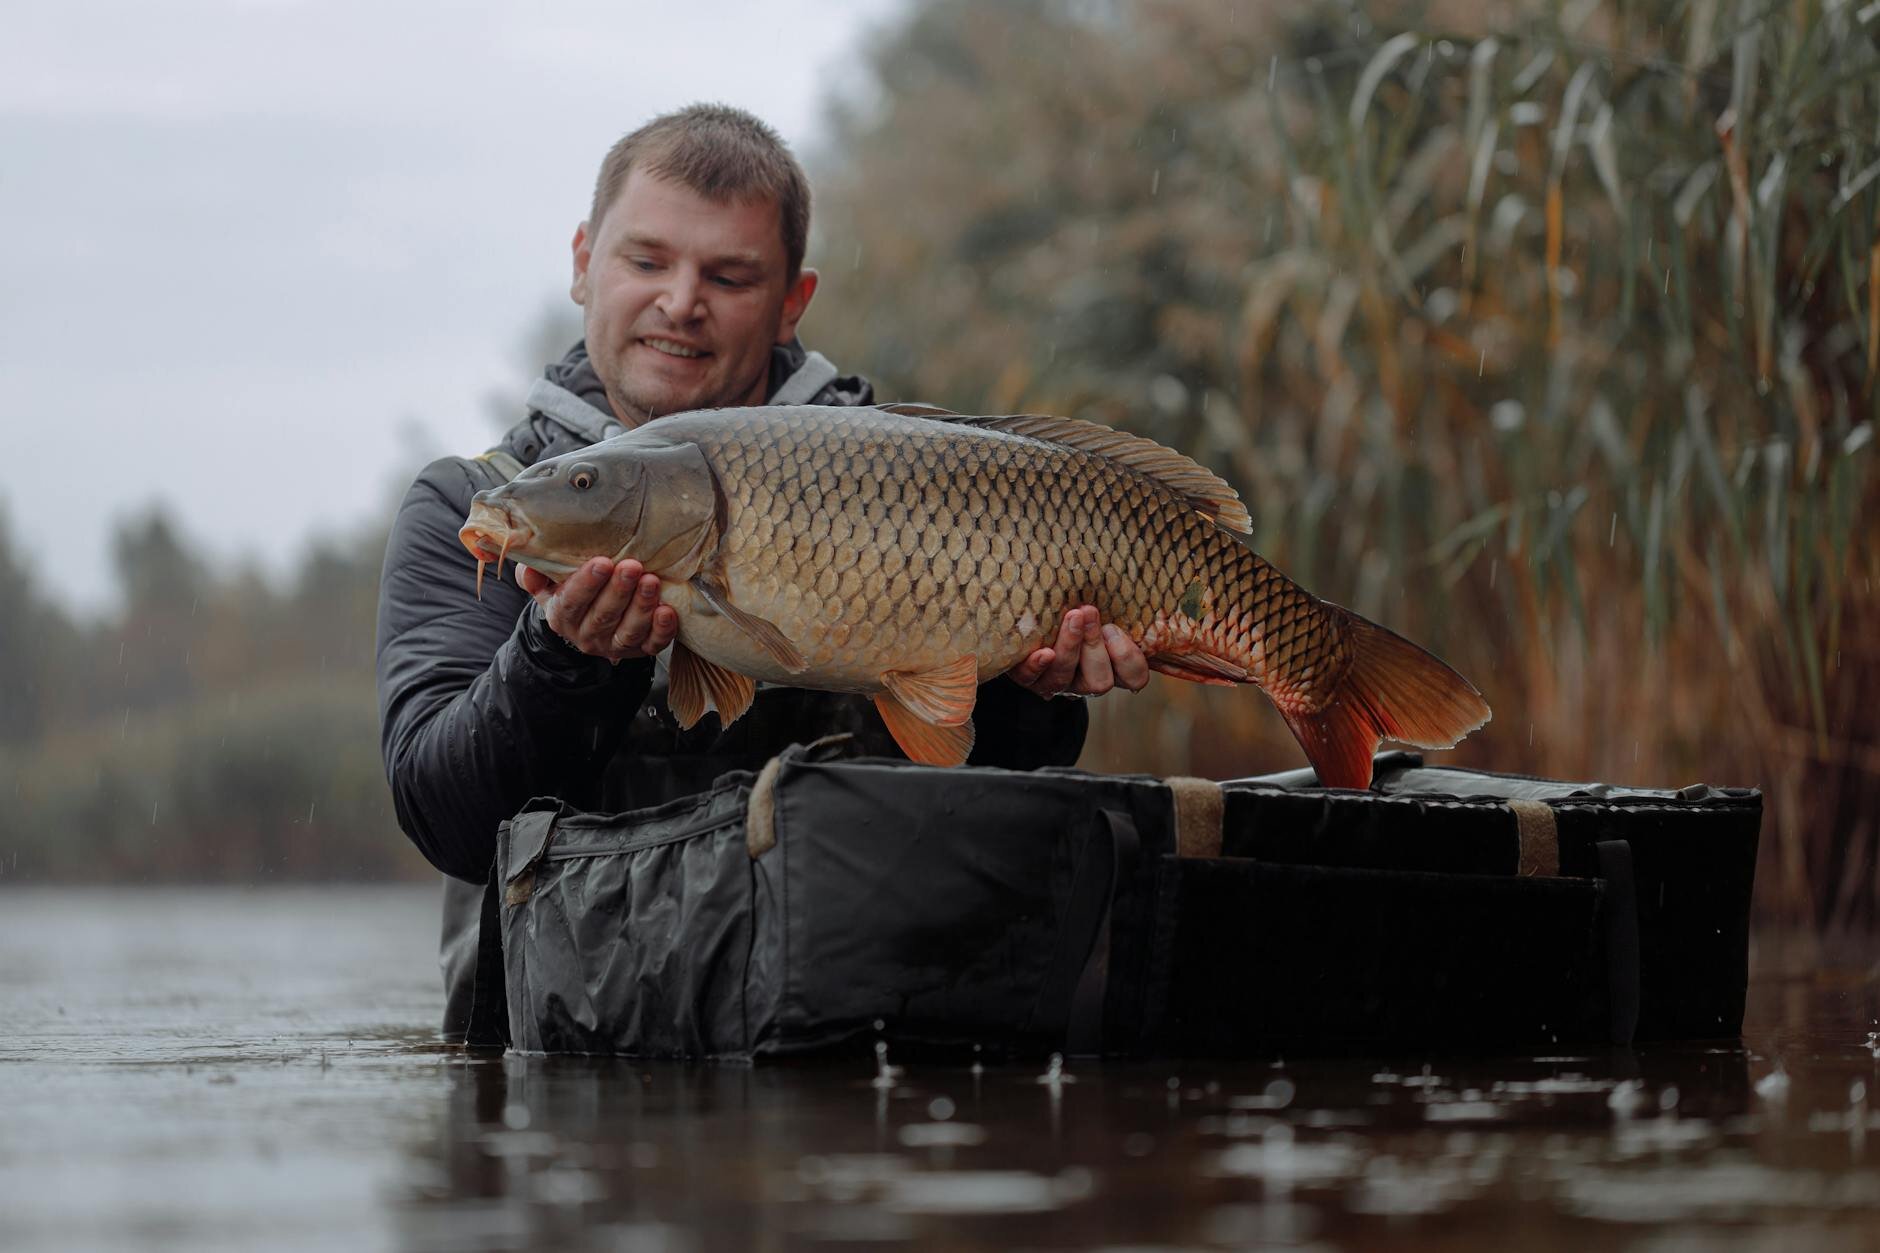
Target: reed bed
<point>1547,337</point>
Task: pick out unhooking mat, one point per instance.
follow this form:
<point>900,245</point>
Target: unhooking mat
<point>826,901</point>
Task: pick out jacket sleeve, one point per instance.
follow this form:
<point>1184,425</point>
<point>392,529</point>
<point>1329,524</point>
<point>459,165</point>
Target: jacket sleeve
<point>1022,731</point>
<point>481,706</point>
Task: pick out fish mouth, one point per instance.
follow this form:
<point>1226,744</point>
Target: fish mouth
<point>491,532</point>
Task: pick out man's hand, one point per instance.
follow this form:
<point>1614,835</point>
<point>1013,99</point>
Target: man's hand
<point>603,609</point>
<point>1088,659</point>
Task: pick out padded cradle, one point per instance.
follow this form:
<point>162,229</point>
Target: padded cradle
<point>827,901</point>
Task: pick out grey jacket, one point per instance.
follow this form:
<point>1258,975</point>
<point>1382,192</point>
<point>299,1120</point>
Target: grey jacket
<point>483,707</point>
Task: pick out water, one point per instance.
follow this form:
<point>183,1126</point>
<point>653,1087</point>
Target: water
<point>257,1069</point>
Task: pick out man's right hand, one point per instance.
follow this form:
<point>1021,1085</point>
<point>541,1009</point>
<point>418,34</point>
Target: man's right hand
<point>604,609</point>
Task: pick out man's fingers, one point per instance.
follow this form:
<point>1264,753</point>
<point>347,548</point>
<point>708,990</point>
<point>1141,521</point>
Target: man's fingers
<point>568,606</point>
<point>534,582</point>
<point>665,629</point>
<point>1026,672</point>
<point>637,624</point>
<point>1088,658</point>
<point>1061,672</point>
<point>608,608</point>
<point>1094,673</point>
<point>1126,659</point>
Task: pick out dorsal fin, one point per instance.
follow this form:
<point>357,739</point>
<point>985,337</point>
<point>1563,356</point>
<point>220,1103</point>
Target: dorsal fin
<point>1205,491</point>
<point>915,409</point>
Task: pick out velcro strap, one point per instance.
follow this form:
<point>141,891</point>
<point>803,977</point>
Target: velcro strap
<point>760,816</point>
<point>1199,806</point>
<point>529,834</point>
<point>502,462</point>
<point>1540,838</point>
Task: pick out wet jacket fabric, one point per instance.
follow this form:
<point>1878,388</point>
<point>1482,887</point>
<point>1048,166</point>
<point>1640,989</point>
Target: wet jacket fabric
<point>483,707</point>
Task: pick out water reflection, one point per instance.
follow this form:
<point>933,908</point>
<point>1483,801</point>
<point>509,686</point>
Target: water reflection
<point>186,1070</point>
<point>1339,1151</point>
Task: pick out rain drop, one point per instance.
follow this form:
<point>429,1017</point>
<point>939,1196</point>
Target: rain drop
<point>886,1076</point>
<point>1774,1086</point>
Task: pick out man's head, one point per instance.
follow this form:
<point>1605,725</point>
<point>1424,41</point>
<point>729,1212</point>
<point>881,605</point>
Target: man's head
<point>690,264</point>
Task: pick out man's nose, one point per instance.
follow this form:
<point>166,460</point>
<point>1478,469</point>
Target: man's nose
<point>679,298</point>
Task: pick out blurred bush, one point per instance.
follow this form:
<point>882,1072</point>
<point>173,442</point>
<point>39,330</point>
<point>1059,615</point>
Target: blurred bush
<point>216,728</point>
<point>279,782</point>
<point>1544,333</point>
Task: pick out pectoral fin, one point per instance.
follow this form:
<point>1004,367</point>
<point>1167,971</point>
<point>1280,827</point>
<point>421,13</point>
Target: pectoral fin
<point>921,740</point>
<point>943,696</point>
<point>761,630</point>
<point>691,680</point>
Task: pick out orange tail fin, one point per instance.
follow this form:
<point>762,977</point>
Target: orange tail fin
<point>1393,690</point>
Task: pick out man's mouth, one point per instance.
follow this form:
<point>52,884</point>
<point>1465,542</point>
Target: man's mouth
<point>672,347</point>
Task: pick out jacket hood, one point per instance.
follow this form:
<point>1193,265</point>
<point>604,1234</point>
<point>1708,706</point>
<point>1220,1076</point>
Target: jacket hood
<point>575,373</point>
<point>568,405</point>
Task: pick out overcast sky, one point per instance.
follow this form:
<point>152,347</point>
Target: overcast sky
<point>261,257</point>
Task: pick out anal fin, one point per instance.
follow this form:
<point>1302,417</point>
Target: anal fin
<point>943,696</point>
<point>921,740</point>
<point>1199,667</point>
<point>691,680</point>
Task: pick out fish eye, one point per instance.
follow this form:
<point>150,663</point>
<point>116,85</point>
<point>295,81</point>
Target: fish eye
<point>582,477</point>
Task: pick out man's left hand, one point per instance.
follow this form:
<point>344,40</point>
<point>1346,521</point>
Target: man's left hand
<point>1087,659</point>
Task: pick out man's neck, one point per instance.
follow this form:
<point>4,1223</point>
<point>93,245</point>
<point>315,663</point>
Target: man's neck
<point>632,417</point>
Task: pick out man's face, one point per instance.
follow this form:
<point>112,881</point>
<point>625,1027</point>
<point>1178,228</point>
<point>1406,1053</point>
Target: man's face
<point>683,298</point>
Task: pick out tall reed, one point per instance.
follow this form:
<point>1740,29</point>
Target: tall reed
<point>1551,344</point>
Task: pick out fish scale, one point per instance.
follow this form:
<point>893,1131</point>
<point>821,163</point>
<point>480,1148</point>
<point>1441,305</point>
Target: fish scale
<point>879,550</point>
<point>1090,525</point>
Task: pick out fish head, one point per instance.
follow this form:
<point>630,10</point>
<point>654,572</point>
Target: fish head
<point>630,497</point>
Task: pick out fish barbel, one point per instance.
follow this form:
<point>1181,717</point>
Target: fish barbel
<point>911,554</point>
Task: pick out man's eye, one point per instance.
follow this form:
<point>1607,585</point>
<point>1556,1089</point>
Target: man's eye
<point>725,280</point>
<point>643,264</point>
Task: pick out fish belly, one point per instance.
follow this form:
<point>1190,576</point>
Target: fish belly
<point>850,643</point>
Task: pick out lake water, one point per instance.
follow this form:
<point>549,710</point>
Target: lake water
<point>257,1069</point>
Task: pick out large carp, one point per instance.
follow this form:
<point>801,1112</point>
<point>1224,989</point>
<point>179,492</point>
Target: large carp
<point>909,554</point>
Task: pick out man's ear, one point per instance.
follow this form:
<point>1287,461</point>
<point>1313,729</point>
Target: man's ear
<point>795,305</point>
<point>583,253</point>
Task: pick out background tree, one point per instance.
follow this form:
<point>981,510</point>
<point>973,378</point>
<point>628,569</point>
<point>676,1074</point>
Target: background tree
<point>32,638</point>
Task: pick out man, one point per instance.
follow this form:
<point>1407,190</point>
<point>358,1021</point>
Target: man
<point>689,271</point>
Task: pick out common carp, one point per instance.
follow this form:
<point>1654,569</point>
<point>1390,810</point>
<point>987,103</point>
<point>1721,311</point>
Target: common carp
<point>910,554</point>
